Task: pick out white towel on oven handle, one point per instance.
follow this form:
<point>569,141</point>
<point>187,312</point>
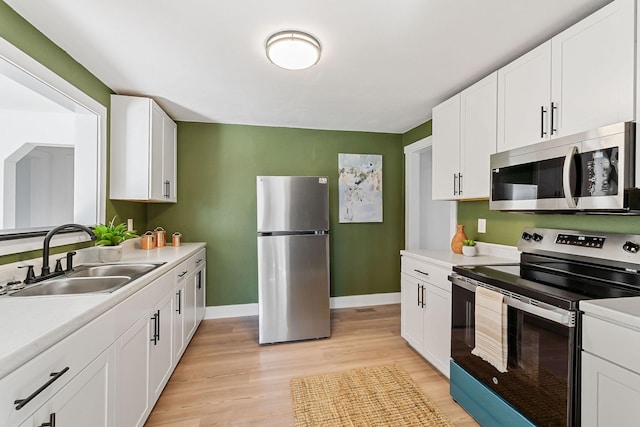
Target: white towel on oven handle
<point>491,328</point>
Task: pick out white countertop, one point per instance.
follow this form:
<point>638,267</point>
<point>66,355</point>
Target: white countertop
<point>31,325</point>
<point>623,311</point>
<point>448,259</point>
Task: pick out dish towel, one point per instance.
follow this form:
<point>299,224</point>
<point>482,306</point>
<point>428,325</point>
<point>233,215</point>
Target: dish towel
<point>491,328</point>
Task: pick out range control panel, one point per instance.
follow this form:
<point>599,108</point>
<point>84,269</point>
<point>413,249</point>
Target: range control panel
<point>580,240</point>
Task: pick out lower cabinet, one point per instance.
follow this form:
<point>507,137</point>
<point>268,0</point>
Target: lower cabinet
<point>85,401</point>
<point>200,287</point>
<point>110,372</point>
<point>610,389</point>
<point>426,311</point>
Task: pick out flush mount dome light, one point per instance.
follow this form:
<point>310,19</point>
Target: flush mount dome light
<point>293,50</point>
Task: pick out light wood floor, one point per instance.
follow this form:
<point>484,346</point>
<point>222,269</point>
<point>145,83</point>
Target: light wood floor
<point>226,379</point>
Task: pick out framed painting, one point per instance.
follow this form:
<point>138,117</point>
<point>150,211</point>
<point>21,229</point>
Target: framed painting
<point>360,187</point>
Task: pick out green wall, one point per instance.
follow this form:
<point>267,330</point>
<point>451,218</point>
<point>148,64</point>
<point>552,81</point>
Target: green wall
<point>417,133</point>
<point>505,227</point>
<point>24,36</point>
<point>217,169</point>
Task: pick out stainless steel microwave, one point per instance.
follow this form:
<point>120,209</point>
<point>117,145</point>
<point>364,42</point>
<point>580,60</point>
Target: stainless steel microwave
<point>591,171</point>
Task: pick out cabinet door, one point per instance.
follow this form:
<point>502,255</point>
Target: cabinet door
<point>610,394</point>
<point>593,70</point>
<point>524,90</point>
<point>437,328</point>
<point>169,159</point>
<point>478,109</point>
<point>132,374</point>
<point>86,400</point>
<point>157,187</point>
<point>179,339</point>
<point>161,348</point>
<point>190,307</point>
<point>411,311</point>
<point>446,149</point>
<point>201,293</point>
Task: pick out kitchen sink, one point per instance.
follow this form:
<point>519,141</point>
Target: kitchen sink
<point>89,278</point>
<point>74,285</point>
<point>102,270</point>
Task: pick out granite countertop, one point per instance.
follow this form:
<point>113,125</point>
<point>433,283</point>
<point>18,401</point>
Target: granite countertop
<point>623,311</point>
<point>34,324</point>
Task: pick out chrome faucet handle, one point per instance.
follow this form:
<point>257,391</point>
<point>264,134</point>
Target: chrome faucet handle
<point>31,275</point>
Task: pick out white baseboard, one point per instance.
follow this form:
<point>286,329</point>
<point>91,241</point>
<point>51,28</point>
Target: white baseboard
<point>241,310</point>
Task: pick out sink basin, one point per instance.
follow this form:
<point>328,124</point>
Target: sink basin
<point>74,285</point>
<point>89,278</point>
<point>102,270</point>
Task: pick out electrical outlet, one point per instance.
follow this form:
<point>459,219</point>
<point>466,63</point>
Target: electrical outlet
<point>482,225</point>
<point>130,224</point>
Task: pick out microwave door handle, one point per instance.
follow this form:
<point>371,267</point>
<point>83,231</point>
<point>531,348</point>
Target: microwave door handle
<point>566,177</point>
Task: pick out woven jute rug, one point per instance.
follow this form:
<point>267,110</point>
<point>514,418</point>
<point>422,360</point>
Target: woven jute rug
<point>372,396</point>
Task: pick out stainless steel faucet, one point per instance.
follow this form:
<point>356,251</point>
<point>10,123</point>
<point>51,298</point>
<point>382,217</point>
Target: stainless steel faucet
<point>46,271</point>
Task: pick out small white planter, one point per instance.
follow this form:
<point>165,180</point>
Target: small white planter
<point>110,253</point>
<point>469,250</point>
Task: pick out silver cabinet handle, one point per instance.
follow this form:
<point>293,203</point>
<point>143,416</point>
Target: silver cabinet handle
<point>421,272</point>
<point>455,177</point>
<point>566,177</point>
<point>459,184</point>
<point>542,113</point>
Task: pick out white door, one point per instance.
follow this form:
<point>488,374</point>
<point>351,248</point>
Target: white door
<point>201,302</point>
<point>478,109</point>
<point>179,338</point>
<point>593,70</point>
<point>132,375</point>
<point>610,394</point>
<point>84,401</point>
<point>524,90</point>
<point>160,349</point>
<point>169,159</point>
<point>446,149</point>
<point>437,328</point>
<point>156,153</point>
<point>189,307</point>
<point>411,311</point>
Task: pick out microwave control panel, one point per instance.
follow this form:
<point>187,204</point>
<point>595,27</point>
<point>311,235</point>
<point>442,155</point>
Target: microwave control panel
<point>580,240</point>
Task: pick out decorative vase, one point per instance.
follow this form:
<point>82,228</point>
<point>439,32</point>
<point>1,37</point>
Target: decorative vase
<point>110,253</point>
<point>469,250</point>
<point>458,238</point>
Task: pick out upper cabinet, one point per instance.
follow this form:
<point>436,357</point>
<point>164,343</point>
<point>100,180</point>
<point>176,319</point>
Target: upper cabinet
<point>581,79</point>
<point>464,136</point>
<point>143,151</point>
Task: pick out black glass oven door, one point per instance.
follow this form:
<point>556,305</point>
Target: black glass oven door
<point>540,368</point>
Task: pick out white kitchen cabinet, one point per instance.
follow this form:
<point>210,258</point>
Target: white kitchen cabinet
<point>86,401</point>
<point>610,373</point>
<point>143,151</point>
<point>160,346</point>
<point>132,374</point>
<point>426,311</point>
<point>200,286</point>
<point>464,137</point>
<point>184,308</point>
<point>581,79</point>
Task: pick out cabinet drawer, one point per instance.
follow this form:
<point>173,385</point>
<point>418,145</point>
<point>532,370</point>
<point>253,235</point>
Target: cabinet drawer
<point>74,352</point>
<point>431,273</point>
<point>182,271</point>
<point>616,343</point>
<point>197,260</point>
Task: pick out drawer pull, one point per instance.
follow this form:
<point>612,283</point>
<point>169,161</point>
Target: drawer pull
<point>52,421</point>
<point>20,403</point>
<point>199,261</point>
<point>421,272</point>
<point>182,274</point>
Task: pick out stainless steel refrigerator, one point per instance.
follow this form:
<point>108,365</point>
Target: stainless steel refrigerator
<point>293,258</point>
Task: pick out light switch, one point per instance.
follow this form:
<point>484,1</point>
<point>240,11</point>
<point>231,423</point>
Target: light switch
<point>482,225</point>
<point>130,224</point>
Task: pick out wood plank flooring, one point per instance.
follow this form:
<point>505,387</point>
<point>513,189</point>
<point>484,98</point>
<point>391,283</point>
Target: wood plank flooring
<point>226,379</point>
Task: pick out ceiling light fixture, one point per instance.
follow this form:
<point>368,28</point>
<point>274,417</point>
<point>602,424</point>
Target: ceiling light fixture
<point>293,50</point>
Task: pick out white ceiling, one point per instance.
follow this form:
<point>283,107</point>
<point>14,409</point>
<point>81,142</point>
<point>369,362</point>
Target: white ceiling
<point>384,63</point>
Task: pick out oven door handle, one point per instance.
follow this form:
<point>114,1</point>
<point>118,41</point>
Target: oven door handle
<point>555,314</point>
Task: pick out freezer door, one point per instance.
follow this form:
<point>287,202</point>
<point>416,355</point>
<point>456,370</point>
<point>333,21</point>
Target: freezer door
<point>292,203</point>
<point>293,287</point>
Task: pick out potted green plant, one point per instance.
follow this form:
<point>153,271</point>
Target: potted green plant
<point>469,247</point>
<point>109,237</point>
